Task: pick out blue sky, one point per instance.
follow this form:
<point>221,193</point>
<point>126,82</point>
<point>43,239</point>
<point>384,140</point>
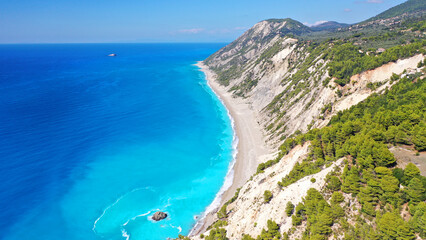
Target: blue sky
<point>63,21</point>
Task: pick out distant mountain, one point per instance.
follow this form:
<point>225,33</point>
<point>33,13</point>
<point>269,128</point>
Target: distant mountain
<point>409,6</point>
<point>291,26</point>
<point>330,25</point>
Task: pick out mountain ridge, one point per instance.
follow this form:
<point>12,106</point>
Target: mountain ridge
<point>409,6</point>
<point>329,25</point>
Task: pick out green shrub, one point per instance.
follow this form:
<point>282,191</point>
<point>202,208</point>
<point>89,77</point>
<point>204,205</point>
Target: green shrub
<point>267,196</point>
<point>272,233</point>
<point>337,197</point>
<point>247,237</point>
<point>217,234</point>
<point>346,60</point>
<point>289,209</point>
<point>333,183</point>
<point>296,220</point>
<point>222,213</point>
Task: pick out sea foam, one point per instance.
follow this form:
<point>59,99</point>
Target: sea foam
<point>229,178</point>
<point>109,125</point>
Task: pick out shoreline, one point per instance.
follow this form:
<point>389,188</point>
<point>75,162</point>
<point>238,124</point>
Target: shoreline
<point>250,150</point>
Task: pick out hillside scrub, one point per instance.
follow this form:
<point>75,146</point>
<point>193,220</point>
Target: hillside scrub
<point>347,59</point>
<point>367,196</point>
<point>361,134</point>
<point>267,196</point>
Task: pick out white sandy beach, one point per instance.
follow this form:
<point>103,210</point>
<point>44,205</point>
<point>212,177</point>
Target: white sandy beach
<point>252,148</point>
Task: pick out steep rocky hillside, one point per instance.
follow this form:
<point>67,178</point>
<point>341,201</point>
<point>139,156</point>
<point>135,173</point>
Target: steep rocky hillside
<point>341,181</point>
<point>232,60</point>
<point>333,107</point>
<point>287,79</point>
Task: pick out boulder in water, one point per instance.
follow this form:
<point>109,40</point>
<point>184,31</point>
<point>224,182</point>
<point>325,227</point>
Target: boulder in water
<point>159,216</point>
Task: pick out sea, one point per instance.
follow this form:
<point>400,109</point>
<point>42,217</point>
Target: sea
<point>91,146</point>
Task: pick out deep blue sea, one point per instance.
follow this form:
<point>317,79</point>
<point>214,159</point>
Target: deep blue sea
<point>91,146</point>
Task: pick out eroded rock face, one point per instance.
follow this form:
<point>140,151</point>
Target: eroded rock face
<point>158,216</point>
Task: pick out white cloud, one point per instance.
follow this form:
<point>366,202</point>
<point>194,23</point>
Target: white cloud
<point>347,10</point>
<point>315,23</point>
<point>222,31</point>
<point>219,31</point>
<point>191,30</point>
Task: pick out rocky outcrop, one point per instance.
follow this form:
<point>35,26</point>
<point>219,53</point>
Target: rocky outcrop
<point>158,216</point>
<point>248,214</point>
<point>287,84</point>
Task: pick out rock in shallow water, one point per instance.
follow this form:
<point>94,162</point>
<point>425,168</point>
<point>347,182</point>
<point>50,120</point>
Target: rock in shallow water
<point>159,216</point>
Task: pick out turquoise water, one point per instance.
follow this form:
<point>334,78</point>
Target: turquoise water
<point>91,146</point>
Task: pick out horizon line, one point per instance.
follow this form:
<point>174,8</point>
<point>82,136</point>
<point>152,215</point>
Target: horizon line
<point>41,43</point>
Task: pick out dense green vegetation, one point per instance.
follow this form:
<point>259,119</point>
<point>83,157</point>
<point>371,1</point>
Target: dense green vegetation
<point>348,59</point>
<point>360,134</point>
<point>217,234</point>
<point>345,60</point>
<point>415,25</point>
<point>272,233</point>
<point>381,197</point>
<point>406,7</point>
<point>261,167</point>
<point>319,215</point>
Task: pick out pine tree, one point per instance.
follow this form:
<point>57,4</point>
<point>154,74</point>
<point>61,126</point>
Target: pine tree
<point>418,221</point>
<point>410,172</point>
<point>351,183</point>
<point>415,191</point>
<point>289,209</point>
